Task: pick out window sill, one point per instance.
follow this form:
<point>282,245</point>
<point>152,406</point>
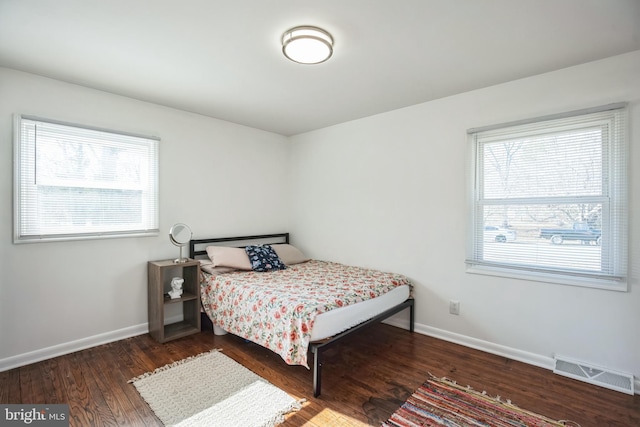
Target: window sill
<point>605,284</point>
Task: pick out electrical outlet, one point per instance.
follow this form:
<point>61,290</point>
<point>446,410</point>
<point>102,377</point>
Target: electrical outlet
<point>454,307</point>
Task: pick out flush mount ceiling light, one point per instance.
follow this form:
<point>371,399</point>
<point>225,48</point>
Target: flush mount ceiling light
<point>307,45</point>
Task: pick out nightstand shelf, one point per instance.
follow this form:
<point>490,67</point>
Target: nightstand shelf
<point>160,274</point>
<point>178,330</point>
<point>185,297</point>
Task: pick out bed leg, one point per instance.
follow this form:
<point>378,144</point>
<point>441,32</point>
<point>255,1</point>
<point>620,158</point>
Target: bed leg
<point>412,316</point>
<point>317,367</point>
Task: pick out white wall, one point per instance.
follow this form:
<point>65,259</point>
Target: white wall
<point>220,178</point>
<point>390,191</point>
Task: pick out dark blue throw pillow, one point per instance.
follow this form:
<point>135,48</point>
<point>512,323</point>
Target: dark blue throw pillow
<point>264,258</point>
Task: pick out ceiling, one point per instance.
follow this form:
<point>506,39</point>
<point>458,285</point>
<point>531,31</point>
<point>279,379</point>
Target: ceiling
<point>223,59</point>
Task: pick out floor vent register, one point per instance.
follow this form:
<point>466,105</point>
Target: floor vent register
<point>594,374</point>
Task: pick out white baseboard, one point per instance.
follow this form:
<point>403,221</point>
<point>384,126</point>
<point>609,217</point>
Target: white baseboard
<point>486,346</point>
<point>72,346</point>
<point>489,347</point>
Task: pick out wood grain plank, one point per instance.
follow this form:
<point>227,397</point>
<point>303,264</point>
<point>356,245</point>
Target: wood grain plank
<point>31,384</point>
<point>10,386</point>
<point>86,403</point>
<point>125,404</point>
<point>52,385</point>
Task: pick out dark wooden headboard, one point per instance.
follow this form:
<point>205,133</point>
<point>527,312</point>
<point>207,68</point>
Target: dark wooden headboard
<point>197,247</point>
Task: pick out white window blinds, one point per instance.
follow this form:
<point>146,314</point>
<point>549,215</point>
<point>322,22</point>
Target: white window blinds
<point>75,182</point>
<point>550,199</point>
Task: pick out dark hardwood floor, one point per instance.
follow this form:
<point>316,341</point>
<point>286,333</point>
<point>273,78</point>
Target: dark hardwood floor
<point>364,380</point>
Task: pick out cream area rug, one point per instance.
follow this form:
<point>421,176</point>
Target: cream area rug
<point>211,390</point>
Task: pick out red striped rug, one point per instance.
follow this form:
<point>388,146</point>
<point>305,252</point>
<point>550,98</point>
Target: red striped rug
<point>441,402</point>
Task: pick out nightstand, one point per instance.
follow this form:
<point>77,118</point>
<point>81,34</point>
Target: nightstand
<point>160,274</point>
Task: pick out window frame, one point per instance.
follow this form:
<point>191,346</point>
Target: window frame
<point>614,228</point>
<point>24,167</point>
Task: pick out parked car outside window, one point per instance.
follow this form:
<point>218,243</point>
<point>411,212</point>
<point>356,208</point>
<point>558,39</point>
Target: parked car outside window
<point>498,234</point>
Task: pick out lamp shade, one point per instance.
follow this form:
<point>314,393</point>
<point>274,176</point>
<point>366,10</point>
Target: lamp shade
<point>307,45</point>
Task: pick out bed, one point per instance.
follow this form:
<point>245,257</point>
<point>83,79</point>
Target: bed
<point>301,305</point>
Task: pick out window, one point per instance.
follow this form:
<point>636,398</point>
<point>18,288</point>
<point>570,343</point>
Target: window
<point>550,199</point>
<point>72,182</point>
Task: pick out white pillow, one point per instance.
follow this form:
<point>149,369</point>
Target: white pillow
<point>209,268</point>
<point>224,256</point>
<point>289,254</point>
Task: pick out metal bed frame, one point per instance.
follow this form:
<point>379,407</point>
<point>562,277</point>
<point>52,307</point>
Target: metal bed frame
<point>317,348</point>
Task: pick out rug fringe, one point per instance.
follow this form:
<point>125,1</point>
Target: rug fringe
<point>280,418</point>
<point>171,365</point>
<point>485,395</point>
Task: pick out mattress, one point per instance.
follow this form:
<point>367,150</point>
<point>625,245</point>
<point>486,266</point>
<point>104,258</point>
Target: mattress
<point>333,322</point>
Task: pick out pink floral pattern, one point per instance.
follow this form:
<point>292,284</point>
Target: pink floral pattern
<point>277,309</point>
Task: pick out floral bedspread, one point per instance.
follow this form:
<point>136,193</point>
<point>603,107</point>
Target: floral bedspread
<point>277,309</point>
